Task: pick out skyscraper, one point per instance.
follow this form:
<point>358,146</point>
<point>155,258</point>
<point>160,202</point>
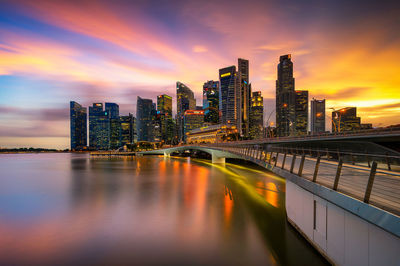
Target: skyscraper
<point>301,112</point>
<point>245,95</point>
<point>229,96</point>
<point>99,127</point>
<point>345,119</point>
<point>192,119</point>
<point>164,118</point>
<point>317,116</point>
<point>185,101</point>
<point>256,120</point>
<point>144,119</point>
<point>164,104</point>
<point>285,97</point>
<point>115,125</point>
<point>127,129</point>
<point>211,101</point>
<point>78,126</point>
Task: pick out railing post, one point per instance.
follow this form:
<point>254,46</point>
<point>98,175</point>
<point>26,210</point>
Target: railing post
<point>284,159</point>
<point>338,154</point>
<point>316,169</point>
<point>338,171</point>
<point>369,162</point>
<point>303,157</point>
<point>370,182</point>
<point>293,162</point>
<point>352,159</point>
<point>270,157</point>
<point>261,154</point>
<point>327,153</point>
<point>276,159</point>
<point>388,162</point>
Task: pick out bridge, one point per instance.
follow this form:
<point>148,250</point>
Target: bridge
<point>345,203</point>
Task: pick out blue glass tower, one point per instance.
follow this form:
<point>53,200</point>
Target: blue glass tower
<point>78,126</point>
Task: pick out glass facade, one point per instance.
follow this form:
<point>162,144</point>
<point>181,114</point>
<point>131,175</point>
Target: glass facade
<point>345,120</point>
<point>245,96</point>
<point>193,119</point>
<point>317,116</point>
<point>145,117</point>
<point>127,129</point>
<point>78,126</point>
<point>229,96</point>
<point>99,127</point>
<point>301,111</point>
<point>185,101</point>
<point>211,102</point>
<point>256,116</point>
<point>164,118</point>
<point>115,125</point>
<point>285,97</point>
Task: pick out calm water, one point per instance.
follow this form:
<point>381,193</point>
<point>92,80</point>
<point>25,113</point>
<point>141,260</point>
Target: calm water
<point>72,209</point>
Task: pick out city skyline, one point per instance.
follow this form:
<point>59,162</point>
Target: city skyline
<point>48,60</point>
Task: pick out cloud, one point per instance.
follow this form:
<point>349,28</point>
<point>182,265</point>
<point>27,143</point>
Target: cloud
<point>199,49</point>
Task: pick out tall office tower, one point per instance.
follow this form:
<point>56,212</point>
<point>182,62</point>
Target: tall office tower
<point>144,119</point>
<point>301,112</point>
<point>115,125</point>
<point>211,101</point>
<point>345,120</point>
<point>99,127</point>
<point>317,116</point>
<point>229,97</point>
<point>164,104</point>
<point>192,119</point>
<point>113,110</point>
<point>78,126</point>
<point>127,129</point>
<point>185,101</point>
<point>245,95</point>
<point>164,118</point>
<point>285,97</point>
<point>256,116</point>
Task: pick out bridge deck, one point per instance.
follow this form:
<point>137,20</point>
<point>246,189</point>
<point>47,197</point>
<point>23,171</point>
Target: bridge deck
<point>353,180</point>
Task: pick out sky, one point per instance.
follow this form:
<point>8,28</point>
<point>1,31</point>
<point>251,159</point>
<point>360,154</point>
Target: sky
<point>52,52</point>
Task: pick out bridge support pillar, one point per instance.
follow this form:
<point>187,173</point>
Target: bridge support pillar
<point>216,159</point>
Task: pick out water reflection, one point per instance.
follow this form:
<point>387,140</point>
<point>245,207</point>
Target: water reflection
<point>142,210</point>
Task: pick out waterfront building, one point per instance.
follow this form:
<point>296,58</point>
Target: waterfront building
<point>229,97</point>
<point>144,119</point>
<point>192,119</point>
<point>115,125</point>
<point>245,96</point>
<point>317,116</point>
<point>301,112</point>
<point>185,101</point>
<point>127,129</point>
<point>211,134</point>
<point>99,127</point>
<point>285,97</point>
<point>345,120</point>
<point>256,116</point>
<point>211,101</point>
<point>78,126</point>
<point>164,104</point>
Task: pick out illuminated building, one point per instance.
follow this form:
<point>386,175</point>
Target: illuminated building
<point>211,102</point>
<point>285,97</point>
<point>256,115</point>
<point>317,116</point>
<point>301,112</point>
<point>127,129</point>
<point>115,125</point>
<point>144,119</point>
<point>245,96</point>
<point>192,119</point>
<point>99,127</point>
<point>164,118</point>
<point>345,120</point>
<point>164,104</point>
<point>185,101</point>
<point>211,134</point>
<point>229,96</point>
<point>78,126</point>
